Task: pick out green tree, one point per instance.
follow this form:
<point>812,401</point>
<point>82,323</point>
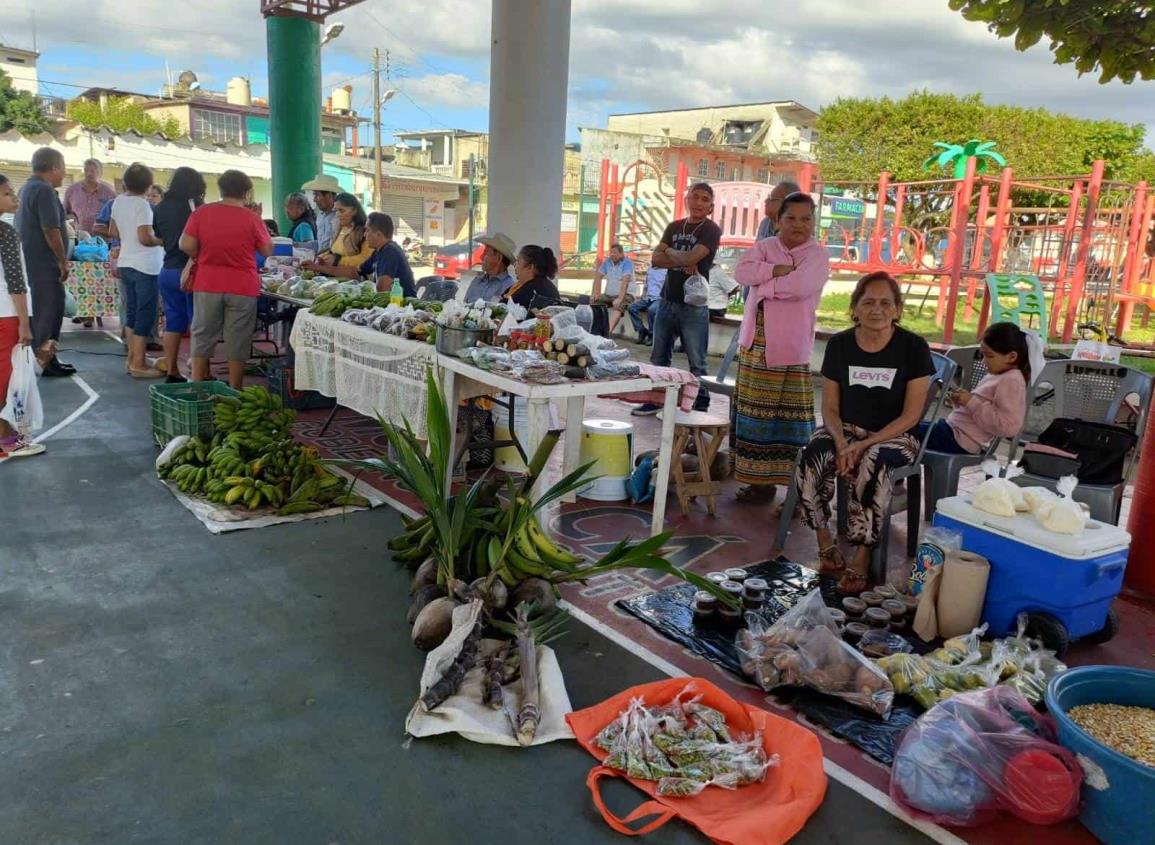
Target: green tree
<point>859,138</point>
<point>19,110</point>
<point>121,114</point>
<point>1115,37</point>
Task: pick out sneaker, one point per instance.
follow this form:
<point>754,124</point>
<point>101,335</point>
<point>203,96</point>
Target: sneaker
<point>649,409</point>
<point>21,449</point>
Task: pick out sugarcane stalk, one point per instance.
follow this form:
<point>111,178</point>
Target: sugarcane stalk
<point>449,682</point>
<point>495,674</point>
<point>529,715</point>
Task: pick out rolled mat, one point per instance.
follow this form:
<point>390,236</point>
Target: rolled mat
<point>962,590</point>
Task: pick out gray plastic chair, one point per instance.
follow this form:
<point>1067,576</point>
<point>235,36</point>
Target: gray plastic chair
<point>908,499</point>
<point>1086,390</point>
<point>940,470</point>
<point>723,383</point>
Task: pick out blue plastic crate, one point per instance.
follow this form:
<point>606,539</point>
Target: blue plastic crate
<point>1074,579</point>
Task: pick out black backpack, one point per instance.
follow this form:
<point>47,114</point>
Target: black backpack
<point>1102,449</point>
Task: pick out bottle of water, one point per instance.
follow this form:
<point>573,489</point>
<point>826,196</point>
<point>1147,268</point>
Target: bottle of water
<point>396,295</point>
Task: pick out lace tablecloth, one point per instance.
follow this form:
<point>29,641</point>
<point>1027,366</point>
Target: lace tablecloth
<point>372,373</point>
<point>95,289</point>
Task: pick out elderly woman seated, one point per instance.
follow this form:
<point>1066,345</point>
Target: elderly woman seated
<point>875,379</point>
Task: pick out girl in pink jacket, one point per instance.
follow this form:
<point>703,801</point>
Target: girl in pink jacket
<point>998,404</point>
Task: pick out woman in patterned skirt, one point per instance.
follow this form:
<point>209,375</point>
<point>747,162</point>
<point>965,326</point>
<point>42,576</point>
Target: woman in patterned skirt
<point>774,397</point>
<point>875,379</point>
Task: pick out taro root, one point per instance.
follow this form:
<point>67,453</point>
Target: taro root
<point>433,624</point>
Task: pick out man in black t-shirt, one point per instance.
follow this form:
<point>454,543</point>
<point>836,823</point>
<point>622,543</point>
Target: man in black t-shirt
<point>44,236</point>
<point>687,248</point>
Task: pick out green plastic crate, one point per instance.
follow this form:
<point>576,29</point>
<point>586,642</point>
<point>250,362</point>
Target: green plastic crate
<point>184,409</point>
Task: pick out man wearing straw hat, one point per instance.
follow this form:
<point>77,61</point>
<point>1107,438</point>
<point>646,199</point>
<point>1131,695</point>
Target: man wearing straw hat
<point>325,189</point>
<point>494,279</point>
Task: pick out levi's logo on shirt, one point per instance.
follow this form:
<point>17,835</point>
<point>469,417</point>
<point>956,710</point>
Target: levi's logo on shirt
<point>873,376</point>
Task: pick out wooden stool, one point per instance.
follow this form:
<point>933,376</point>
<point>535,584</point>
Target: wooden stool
<point>708,432</point>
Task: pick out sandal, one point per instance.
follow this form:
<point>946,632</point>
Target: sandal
<point>756,494</point>
<point>852,582</point>
<point>831,561</point>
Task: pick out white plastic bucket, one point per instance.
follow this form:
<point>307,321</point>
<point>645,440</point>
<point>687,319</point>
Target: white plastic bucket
<point>610,445</point>
<point>506,458</point>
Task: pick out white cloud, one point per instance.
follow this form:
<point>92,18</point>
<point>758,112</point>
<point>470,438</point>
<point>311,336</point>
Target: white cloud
<point>452,90</point>
<point>625,54</point>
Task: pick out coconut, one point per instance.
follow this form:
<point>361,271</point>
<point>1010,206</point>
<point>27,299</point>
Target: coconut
<point>433,624</point>
<point>421,598</point>
<point>425,575</point>
<point>535,591</point>
<point>496,596</point>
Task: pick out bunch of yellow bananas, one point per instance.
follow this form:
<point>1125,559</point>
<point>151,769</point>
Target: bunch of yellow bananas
<point>529,554</point>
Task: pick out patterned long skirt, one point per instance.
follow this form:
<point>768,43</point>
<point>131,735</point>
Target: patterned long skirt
<point>773,415</point>
<point>870,488</point>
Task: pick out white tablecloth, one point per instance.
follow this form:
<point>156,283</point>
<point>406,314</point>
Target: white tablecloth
<point>372,373</point>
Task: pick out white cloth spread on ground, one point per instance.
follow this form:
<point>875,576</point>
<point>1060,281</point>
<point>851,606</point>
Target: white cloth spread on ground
<point>373,373</point>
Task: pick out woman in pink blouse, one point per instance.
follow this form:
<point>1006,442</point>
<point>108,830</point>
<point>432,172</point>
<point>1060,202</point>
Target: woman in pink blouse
<point>774,395</point>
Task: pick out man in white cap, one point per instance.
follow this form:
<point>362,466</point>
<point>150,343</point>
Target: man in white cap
<point>494,279</point>
<point>325,189</point>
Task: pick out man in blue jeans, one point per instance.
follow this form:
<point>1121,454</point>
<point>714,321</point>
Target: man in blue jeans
<point>647,305</point>
<point>687,248</point>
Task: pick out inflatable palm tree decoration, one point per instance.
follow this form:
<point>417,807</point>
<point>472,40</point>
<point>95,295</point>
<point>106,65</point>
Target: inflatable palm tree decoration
<point>953,154</point>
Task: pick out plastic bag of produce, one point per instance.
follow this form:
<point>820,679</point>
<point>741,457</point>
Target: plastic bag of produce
<point>999,496</point>
<point>1063,514</point>
<point>980,754</point>
<point>697,291</point>
<point>803,648</point>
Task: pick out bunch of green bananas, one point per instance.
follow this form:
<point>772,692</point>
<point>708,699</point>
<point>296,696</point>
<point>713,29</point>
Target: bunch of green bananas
<point>321,491</point>
<point>530,554</point>
<point>415,543</point>
<point>253,411</point>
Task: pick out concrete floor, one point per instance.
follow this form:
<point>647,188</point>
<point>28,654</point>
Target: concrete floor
<point>162,685</point>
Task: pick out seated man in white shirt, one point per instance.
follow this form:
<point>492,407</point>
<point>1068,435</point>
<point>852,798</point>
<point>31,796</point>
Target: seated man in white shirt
<point>617,273</point>
<point>722,287</point>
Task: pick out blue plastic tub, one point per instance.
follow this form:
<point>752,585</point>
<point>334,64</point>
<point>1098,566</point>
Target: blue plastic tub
<point>1074,579</point>
<point>1118,793</point>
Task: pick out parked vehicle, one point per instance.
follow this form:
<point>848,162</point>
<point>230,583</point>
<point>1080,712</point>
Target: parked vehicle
<point>450,260</point>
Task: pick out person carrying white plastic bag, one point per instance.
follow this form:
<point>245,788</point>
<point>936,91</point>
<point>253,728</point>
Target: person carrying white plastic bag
<point>20,411</point>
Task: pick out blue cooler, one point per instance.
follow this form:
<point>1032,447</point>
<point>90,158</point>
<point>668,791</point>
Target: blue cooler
<point>1035,570</point>
<point>283,247</point>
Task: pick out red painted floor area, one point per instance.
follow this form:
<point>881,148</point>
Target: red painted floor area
<point>739,534</point>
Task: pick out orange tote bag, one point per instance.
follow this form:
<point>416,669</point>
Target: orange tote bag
<point>766,813</point>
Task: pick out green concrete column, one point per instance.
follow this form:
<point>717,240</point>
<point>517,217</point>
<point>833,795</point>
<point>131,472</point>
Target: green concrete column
<point>294,46</point>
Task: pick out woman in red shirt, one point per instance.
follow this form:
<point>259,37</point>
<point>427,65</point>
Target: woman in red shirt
<point>222,239</point>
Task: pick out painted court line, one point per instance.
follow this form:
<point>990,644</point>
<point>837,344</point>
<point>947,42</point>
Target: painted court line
<point>75,415</point>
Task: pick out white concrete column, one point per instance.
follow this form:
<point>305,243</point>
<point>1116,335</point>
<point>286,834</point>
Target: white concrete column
<point>528,82</point>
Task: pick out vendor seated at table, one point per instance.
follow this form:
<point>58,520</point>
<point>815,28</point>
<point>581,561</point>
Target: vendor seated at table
<point>350,247</point>
<point>875,379</point>
<point>388,261</point>
<point>495,277</point>
<point>535,269</point>
<point>302,221</point>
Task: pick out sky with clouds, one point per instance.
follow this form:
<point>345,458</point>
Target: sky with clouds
<point>625,55</point>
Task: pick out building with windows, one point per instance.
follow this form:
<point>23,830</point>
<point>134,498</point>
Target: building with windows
<point>235,116</point>
<point>753,142</point>
<point>448,151</point>
<point>20,66</point>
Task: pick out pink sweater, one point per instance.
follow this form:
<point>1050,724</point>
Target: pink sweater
<point>789,303</point>
<point>997,408</point>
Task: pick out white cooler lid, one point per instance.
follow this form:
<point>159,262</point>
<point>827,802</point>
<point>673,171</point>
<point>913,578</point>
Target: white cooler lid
<point>1098,538</point>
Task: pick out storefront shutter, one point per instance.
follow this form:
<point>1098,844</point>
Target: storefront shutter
<point>408,215</point>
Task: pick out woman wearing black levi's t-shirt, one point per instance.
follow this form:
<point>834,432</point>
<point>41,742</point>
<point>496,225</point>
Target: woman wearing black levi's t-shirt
<point>875,379</point>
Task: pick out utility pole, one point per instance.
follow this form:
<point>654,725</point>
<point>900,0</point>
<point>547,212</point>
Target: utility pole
<point>376,129</point>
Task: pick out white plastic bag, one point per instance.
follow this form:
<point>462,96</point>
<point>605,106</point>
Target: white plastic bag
<point>697,291</point>
<point>1063,515</point>
<point>1000,496</point>
<point>22,408</point>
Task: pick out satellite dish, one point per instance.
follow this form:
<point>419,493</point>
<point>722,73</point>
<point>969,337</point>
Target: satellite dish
<point>195,86</point>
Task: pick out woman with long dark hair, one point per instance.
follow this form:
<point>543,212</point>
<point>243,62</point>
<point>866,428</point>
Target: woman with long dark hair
<point>535,271</point>
<point>186,193</point>
<point>350,247</point>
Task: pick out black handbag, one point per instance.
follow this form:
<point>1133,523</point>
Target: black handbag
<point>1102,449</point>
<point>477,426</point>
